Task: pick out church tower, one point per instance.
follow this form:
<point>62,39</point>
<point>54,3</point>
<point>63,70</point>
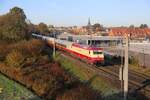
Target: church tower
<point>89,27</point>
<point>89,22</point>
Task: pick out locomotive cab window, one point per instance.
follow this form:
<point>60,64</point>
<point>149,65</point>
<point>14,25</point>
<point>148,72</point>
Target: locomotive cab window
<point>97,52</point>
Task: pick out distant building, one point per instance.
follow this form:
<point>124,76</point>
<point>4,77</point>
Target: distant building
<point>89,27</point>
<point>134,33</point>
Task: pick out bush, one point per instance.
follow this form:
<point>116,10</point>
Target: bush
<point>134,61</point>
<point>15,59</point>
<point>34,47</point>
<point>14,54</point>
<point>30,48</point>
<point>4,50</point>
<point>81,92</point>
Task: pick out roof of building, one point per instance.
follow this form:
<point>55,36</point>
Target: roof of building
<point>134,32</point>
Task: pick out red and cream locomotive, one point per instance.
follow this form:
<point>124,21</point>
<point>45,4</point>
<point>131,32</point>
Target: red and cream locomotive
<point>85,52</point>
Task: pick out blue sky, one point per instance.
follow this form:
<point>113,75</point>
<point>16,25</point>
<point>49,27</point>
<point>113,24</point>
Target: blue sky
<point>77,12</point>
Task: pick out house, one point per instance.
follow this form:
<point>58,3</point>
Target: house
<point>134,33</point>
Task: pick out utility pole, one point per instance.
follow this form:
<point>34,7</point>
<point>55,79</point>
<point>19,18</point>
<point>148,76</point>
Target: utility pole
<point>54,49</point>
<point>143,58</point>
<point>125,70</point>
<point>121,71</point>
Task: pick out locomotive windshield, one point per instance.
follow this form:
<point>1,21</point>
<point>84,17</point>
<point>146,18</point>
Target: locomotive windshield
<point>97,52</point>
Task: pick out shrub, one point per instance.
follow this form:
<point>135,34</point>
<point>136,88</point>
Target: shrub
<point>30,48</point>
<point>81,92</point>
<point>15,59</point>
<point>134,61</point>
<point>4,50</point>
<point>34,47</point>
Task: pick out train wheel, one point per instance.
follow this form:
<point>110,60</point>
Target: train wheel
<point>102,63</point>
<point>91,62</point>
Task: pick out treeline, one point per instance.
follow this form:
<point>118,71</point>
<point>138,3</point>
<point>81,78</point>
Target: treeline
<point>142,26</point>
<point>14,26</point>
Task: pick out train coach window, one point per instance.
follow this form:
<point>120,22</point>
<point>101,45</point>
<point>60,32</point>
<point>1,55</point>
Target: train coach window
<point>97,52</point>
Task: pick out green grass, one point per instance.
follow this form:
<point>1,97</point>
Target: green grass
<point>86,75</point>
<point>14,91</point>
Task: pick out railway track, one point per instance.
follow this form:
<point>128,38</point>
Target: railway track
<point>132,74</point>
<point>136,84</point>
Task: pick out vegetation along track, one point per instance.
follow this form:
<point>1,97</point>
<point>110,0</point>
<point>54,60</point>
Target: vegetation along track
<point>137,81</point>
<point>132,74</point>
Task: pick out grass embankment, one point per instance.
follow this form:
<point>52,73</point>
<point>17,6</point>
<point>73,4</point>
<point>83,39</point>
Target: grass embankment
<point>11,90</point>
<point>87,76</point>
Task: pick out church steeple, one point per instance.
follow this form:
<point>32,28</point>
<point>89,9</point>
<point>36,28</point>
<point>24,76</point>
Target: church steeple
<point>89,27</point>
<point>89,22</point>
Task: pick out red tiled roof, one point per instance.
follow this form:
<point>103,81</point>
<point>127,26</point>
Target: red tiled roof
<point>134,32</point>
